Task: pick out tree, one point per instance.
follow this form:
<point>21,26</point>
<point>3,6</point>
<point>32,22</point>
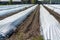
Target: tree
<point>33,1</point>
<point>10,2</point>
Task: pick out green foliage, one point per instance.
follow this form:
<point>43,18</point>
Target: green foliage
<point>33,1</point>
<point>38,38</point>
<point>10,2</point>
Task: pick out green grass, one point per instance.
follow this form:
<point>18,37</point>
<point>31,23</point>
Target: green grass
<point>38,38</point>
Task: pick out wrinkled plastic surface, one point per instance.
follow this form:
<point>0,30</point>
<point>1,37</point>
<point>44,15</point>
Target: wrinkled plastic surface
<point>50,27</point>
<point>55,8</point>
<point>9,24</point>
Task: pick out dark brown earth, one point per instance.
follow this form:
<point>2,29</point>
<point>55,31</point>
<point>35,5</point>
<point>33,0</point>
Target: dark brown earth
<point>56,15</point>
<point>29,29</point>
<point>2,17</point>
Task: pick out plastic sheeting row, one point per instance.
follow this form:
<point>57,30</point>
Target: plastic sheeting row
<point>55,8</point>
<point>14,10</point>
<point>10,24</point>
<point>6,7</point>
<point>50,27</point>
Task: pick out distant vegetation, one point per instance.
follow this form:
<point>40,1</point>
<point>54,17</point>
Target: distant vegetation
<point>33,2</point>
<point>10,2</point>
<point>52,1</point>
<point>21,2</point>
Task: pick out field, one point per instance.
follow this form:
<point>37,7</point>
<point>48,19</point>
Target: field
<point>30,22</point>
